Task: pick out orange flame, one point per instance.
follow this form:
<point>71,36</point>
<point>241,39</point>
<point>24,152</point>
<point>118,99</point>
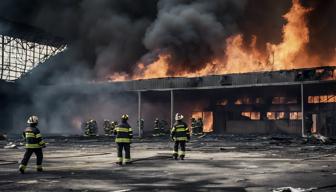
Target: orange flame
<point>289,54</point>
<point>291,51</point>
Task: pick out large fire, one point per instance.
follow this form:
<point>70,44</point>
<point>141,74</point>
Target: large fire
<point>291,53</point>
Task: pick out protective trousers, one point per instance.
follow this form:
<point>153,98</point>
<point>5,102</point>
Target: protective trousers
<point>127,148</point>
<point>182,145</point>
<point>39,156</point>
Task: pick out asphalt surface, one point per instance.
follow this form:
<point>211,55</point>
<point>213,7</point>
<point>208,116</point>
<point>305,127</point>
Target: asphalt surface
<point>213,163</point>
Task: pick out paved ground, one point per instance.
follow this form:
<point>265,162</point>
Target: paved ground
<point>212,164</point>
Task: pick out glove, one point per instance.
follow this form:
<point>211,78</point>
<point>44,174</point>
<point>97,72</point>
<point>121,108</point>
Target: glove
<point>43,144</point>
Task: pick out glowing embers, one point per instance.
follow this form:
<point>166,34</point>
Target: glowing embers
<point>251,115</point>
<point>276,115</point>
<point>248,101</point>
<point>322,99</point>
<point>207,117</point>
<point>295,115</point>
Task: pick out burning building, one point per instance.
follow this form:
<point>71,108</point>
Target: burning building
<point>286,102</point>
<point>205,59</point>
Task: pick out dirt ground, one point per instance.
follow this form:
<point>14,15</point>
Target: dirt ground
<point>213,163</point>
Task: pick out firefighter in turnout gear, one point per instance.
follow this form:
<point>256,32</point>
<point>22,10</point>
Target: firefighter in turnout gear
<point>193,126</point>
<point>199,126</point>
<point>156,127</point>
<point>91,128</point>
<point>87,128</point>
<point>34,144</point>
<point>123,136</point>
<point>94,127</point>
<point>180,134</point>
<point>107,127</point>
<point>113,126</point>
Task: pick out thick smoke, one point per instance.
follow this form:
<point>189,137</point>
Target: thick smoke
<point>322,25</point>
<point>112,36</point>
<point>193,32</point>
<point>108,34</point>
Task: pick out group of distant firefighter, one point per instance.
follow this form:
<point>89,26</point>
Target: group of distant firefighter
<point>160,127</point>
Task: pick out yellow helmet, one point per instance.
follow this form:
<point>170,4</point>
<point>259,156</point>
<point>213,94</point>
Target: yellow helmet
<point>32,120</point>
<point>124,117</point>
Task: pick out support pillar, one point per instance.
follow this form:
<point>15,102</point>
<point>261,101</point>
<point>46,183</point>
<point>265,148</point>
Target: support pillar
<point>302,112</point>
<point>139,113</point>
<point>2,56</point>
<point>171,108</point>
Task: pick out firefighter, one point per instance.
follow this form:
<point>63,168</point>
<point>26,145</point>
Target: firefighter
<point>193,126</point>
<point>199,126</point>
<point>85,128</point>
<point>113,126</point>
<point>91,128</point>
<point>94,128</point>
<point>88,128</point>
<point>180,134</point>
<point>107,127</point>
<point>156,127</point>
<point>34,144</point>
<point>124,134</point>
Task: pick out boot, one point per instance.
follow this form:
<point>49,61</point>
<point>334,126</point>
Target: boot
<point>39,168</point>
<point>22,169</point>
<point>119,163</point>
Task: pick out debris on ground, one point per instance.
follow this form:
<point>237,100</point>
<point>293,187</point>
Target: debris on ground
<point>318,139</point>
<point>291,189</point>
<point>10,145</point>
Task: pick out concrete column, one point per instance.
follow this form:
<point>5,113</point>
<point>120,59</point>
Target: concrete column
<point>302,112</point>
<point>139,113</point>
<point>2,56</point>
<point>171,108</point>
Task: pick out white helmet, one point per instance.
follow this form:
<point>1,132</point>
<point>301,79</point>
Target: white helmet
<point>32,120</point>
<point>178,117</point>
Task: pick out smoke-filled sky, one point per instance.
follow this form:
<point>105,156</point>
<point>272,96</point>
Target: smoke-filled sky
<point>112,36</point>
<point>109,36</point>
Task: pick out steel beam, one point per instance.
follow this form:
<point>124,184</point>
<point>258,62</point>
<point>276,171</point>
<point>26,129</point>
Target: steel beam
<point>2,56</point>
<point>139,113</point>
<point>171,108</point>
<point>302,112</point>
